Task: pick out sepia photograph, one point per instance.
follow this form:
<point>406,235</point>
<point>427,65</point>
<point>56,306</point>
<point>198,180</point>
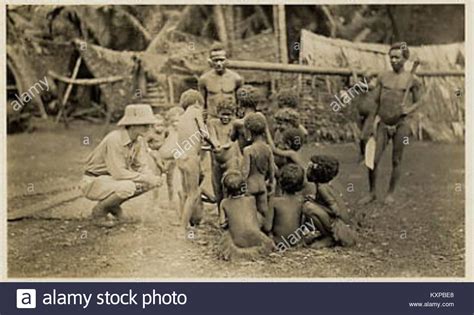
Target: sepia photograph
<point>256,141</point>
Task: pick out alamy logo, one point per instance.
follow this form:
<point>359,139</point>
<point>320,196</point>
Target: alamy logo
<point>26,298</point>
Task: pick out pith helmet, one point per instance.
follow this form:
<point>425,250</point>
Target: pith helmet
<point>138,114</point>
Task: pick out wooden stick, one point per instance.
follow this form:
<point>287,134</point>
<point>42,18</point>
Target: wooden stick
<point>407,88</point>
<point>279,67</point>
<point>171,90</point>
<point>95,81</point>
<point>69,89</point>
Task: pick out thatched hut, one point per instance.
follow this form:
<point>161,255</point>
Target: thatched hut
<point>175,72</point>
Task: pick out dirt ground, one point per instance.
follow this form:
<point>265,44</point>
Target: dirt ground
<point>422,235</point>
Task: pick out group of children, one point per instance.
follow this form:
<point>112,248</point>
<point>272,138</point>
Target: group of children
<point>263,189</point>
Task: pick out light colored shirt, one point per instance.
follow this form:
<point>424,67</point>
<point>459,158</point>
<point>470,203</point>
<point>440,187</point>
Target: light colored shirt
<point>116,155</point>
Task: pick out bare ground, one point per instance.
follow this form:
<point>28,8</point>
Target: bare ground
<point>422,235</point>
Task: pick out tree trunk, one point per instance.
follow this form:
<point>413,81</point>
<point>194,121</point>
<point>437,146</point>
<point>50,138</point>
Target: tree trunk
<point>237,21</point>
<point>220,25</point>
<point>230,27</point>
<point>174,23</point>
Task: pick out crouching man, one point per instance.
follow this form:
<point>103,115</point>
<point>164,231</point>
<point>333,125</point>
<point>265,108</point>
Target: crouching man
<point>115,171</point>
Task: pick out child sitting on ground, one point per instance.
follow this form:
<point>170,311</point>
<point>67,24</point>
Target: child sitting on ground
<point>239,213</point>
<point>287,209</point>
<point>258,165</point>
<point>327,210</point>
<point>287,151</point>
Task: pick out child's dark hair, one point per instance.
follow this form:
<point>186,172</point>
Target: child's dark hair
<point>403,47</point>
<point>225,104</point>
<point>247,96</point>
<point>291,178</point>
<point>190,97</point>
<point>322,169</point>
<point>288,116</point>
<point>255,123</point>
<point>287,98</point>
<point>234,183</point>
<point>293,137</point>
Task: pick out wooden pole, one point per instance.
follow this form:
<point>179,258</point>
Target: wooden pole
<point>276,30</point>
<point>94,81</point>
<point>283,42</point>
<point>69,89</point>
<point>20,85</point>
<point>294,68</point>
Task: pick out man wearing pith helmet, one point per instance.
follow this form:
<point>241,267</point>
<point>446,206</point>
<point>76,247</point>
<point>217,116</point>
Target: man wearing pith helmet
<point>115,170</point>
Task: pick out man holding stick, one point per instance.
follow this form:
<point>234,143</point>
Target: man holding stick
<point>398,96</point>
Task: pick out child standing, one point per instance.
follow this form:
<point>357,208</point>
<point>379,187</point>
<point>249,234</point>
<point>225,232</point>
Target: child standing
<point>191,132</point>
<point>248,102</point>
<point>227,155</point>
<point>287,209</point>
<point>327,210</point>
<point>244,238</point>
<point>258,165</point>
<point>166,153</point>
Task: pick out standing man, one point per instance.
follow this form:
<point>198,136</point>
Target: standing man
<point>219,81</point>
<point>116,170</point>
<point>398,95</point>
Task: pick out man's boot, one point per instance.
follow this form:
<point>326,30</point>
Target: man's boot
<point>103,207</point>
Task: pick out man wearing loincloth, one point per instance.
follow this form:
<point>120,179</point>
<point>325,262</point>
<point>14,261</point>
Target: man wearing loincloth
<point>399,92</point>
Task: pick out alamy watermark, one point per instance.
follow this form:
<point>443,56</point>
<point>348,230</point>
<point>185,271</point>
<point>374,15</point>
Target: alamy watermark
<point>188,143</point>
<point>28,95</point>
<point>295,237</point>
<point>345,97</point>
